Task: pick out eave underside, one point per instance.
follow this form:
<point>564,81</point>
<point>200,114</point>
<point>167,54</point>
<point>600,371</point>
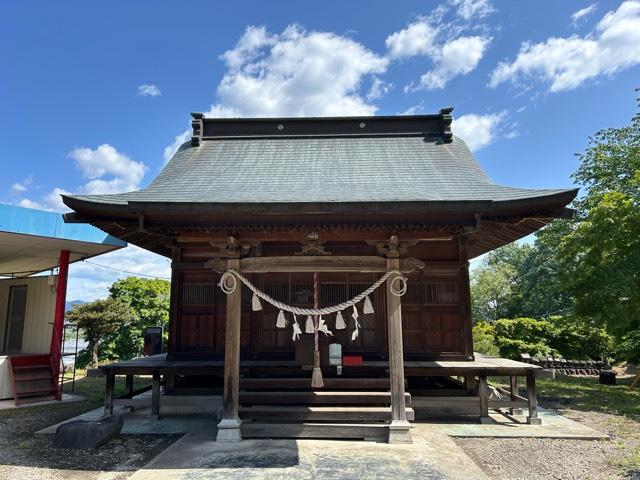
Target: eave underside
<point>160,233</point>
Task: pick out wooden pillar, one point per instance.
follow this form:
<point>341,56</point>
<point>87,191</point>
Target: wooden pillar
<point>155,394</point>
<point>399,428</point>
<point>513,393</point>
<point>128,385</point>
<point>108,392</point>
<point>513,387</point>
<point>484,398</point>
<point>533,418</point>
<point>470,383</point>
<point>229,425</point>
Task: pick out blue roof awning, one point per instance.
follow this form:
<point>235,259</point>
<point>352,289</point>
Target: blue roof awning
<point>31,240</point>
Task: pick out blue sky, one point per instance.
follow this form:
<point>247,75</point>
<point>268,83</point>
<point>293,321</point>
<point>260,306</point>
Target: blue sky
<point>95,96</point>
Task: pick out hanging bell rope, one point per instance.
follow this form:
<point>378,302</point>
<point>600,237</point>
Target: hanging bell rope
<point>316,377</point>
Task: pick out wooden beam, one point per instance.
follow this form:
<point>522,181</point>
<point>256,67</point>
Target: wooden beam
<point>293,264</point>
<point>229,426</point>
<point>399,428</point>
<point>342,235</point>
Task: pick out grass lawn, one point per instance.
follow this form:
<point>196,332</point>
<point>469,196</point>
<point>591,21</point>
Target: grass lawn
<point>585,393</point>
<point>92,388</point>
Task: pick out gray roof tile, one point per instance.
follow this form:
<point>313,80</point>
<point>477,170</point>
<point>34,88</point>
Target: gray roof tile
<point>322,169</point>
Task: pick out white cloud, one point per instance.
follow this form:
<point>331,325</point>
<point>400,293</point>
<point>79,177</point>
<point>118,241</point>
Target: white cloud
<point>583,12</point>
<point>478,131</point>
<point>379,88</point>
<point>451,53</point>
<point>457,57</point>
<point>566,63</point>
<point>107,171</point>
<point>22,186</point>
<point>472,9</point>
<point>295,73</point>
<point>418,38</point>
<point>88,281</point>
<point>414,109</point>
<point>148,90</point>
<point>27,203</point>
<point>170,150</point>
<point>124,174</point>
<point>51,201</point>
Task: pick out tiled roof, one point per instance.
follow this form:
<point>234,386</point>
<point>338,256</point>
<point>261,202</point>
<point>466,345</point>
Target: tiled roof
<point>317,169</point>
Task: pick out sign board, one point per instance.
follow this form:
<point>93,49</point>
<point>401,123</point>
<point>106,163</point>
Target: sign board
<point>152,340</point>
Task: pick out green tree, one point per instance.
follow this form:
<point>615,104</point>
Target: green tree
<point>99,321</point>
<point>541,290</point>
<point>149,301</point>
<point>600,257</point>
<point>495,292</point>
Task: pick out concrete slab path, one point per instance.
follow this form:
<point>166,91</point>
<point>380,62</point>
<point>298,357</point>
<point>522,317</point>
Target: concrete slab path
<point>196,456</point>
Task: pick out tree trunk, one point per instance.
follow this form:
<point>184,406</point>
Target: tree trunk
<point>93,348</point>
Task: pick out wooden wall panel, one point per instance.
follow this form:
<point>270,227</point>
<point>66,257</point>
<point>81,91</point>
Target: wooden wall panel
<point>436,318</point>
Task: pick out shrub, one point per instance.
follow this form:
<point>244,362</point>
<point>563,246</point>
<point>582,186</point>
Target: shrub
<point>578,339</point>
<point>483,339</point>
<point>523,335</point>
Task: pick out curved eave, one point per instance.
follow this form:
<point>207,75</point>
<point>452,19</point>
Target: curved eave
<point>553,200</point>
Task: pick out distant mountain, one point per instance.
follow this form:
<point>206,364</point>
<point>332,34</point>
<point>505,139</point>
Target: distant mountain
<point>70,303</point>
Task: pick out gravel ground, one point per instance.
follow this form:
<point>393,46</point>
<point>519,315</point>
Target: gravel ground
<point>537,458</point>
<point>26,456</point>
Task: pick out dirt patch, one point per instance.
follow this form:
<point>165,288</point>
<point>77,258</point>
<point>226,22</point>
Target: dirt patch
<point>25,456</point>
<point>537,458</point>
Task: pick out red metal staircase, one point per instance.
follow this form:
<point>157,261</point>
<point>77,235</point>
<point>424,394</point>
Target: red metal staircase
<point>33,378</point>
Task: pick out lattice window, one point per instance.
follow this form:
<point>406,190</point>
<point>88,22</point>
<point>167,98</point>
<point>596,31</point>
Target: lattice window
<point>302,293</point>
<point>356,289</point>
<point>439,293</point>
<point>277,290</point>
<point>333,293</point>
<point>198,293</point>
<point>415,294</point>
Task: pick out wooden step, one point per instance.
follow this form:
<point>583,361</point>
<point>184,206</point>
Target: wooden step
<point>37,391</point>
<point>305,383</point>
<point>41,398</point>
<point>318,397</point>
<point>313,413</point>
<point>34,378</point>
<point>31,367</point>
<point>314,430</point>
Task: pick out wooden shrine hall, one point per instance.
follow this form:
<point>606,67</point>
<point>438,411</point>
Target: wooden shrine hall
<point>320,273</point>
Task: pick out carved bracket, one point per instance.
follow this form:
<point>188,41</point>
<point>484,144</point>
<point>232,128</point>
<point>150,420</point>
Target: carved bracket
<point>232,248</point>
<point>312,246</point>
<point>391,248</point>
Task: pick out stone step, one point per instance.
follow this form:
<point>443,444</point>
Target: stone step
<point>313,413</point>
<point>342,383</point>
<point>315,430</point>
<point>318,398</point>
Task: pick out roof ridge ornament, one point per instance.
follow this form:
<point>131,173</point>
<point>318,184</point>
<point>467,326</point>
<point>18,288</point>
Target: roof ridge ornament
<point>196,124</point>
<point>447,119</point>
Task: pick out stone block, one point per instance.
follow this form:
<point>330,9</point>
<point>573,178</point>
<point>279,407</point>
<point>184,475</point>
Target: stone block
<point>85,435</point>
